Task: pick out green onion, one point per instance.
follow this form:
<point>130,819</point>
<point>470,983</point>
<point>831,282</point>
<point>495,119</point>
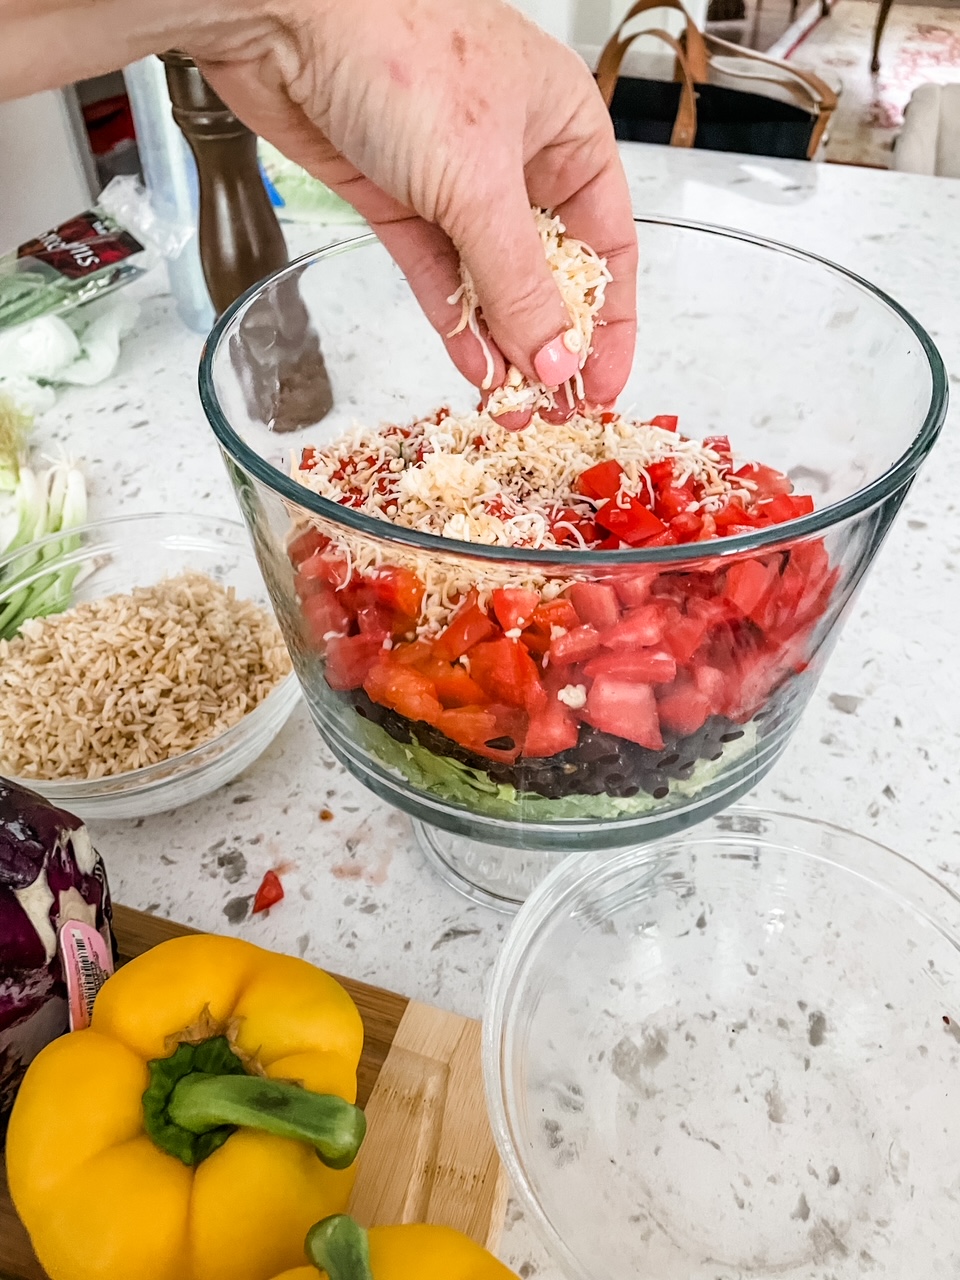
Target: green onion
<point>53,502</point>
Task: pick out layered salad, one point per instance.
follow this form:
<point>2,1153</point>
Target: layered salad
<point>533,693</point>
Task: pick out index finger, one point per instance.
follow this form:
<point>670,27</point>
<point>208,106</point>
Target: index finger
<point>598,211</point>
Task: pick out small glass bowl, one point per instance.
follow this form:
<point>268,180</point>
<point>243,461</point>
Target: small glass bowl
<point>117,555</point>
<point>734,1054</point>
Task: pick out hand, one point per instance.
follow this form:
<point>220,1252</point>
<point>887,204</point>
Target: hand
<point>441,121</point>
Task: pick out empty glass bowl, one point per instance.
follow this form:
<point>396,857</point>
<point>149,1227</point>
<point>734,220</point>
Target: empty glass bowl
<point>734,1055</point>
<point>117,555</point>
<point>804,366</point>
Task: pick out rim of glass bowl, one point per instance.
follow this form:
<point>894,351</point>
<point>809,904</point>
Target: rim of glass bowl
<point>876,491</point>
<point>883,869</point>
<point>162,772</point>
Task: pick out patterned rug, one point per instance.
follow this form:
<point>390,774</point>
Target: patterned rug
<point>919,44</point>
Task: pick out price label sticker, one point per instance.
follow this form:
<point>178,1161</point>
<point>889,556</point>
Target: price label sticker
<point>87,964</point>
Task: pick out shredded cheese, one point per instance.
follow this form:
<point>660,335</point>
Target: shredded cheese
<point>468,479</point>
<point>465,478</point>
<point>581,276</point>
<point>573,696</point>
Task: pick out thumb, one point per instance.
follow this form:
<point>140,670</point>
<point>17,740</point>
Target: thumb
<point>521,304</point>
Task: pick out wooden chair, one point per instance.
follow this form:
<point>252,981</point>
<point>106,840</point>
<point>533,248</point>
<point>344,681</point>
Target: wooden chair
<point>882,15</point>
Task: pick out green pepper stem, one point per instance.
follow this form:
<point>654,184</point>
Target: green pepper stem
<point>338,1246</point>
<point>200,1103</point>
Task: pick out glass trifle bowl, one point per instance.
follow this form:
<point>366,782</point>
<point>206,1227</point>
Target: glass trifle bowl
<point>704,654</point>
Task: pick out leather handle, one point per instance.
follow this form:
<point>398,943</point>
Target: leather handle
<point>608,68</point>
<point>819,89</point>
<point>685,125</point>
<point>824,99</point>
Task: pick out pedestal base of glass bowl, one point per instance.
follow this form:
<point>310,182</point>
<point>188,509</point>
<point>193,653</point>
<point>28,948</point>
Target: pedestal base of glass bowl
<point>494,875</point>
<point>498,863</point>
<point>502,876</point>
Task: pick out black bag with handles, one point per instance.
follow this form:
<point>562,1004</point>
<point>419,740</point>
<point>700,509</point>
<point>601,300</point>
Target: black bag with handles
<point>696,111</point>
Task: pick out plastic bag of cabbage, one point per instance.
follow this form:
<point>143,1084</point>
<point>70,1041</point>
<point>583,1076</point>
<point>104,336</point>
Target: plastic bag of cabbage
<point>49,874</point>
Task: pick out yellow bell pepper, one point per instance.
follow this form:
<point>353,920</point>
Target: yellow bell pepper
<point>417,1251</point>
<point>178,1137</point>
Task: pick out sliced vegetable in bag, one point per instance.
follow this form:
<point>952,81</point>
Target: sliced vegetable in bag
<point>83,258</point>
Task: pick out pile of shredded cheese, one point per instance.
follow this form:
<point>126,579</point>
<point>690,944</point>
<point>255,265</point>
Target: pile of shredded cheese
<point>469,479</point>
<point>466,478</point>
<point>582,277</point>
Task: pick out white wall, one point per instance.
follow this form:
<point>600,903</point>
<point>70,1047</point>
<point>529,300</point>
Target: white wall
<point>46,174</point>
<point>586,24</point>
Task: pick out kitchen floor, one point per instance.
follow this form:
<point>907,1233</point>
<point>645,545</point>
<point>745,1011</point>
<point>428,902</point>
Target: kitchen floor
<point>762,24</point>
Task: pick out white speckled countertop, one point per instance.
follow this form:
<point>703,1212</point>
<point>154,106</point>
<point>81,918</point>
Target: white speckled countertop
<point>879,749</point>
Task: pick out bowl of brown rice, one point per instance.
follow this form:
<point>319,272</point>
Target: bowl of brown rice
<point>150,670</point>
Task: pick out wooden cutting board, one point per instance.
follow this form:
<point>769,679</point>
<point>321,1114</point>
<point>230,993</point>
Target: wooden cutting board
<point>428,1156</point>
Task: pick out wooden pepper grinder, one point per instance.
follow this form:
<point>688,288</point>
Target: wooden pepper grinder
<point>283,370</point>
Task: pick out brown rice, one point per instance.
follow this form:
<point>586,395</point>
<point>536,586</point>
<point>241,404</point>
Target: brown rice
<point>130,680</point>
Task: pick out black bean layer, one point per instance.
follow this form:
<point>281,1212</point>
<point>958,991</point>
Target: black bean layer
<point>600,763</point>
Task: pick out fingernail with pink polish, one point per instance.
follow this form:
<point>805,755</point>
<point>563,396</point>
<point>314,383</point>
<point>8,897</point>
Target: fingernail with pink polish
<point>556,362</point>
<point>515,421</point>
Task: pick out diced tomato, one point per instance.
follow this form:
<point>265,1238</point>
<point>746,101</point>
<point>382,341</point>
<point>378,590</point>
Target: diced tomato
<point>375,620</point>
<point>455,688</point>
<point>551,731</point>
<point>708,527</point>
<point>683,711</point>
<point>811,559</point>
<point>495,732</point>
<point>398,589</point>
<point>666,539</point>
<point>329,566</point>
<point>711,682</point>
<point>629,520</point>
<point>555,613</point>
<point>684,637</point>
<point>748,582</point>
<point>687,526</point>
<point>305,545</point>
<point>640,627</point>
<point>610,543</point>
<point>720,445</point>
<point>673,501</point>
<point>348,660</point>
<point>647,666</point>
<point>786,506</point>
<point>412,654</point>
<point>514,606</point>
<point>468,724</point>
<point>505,671</point>
<point>768,482</point>
<point>404,689</point>
<point>596,604</point>
<point>625,709</point>
<point>575,646</point>
<point>665,421</point>
<point>268,894</point>
<point>732,515</point>
<point>567,523</point>
<point>468,626</point>
<point>711,610</point>
<point>306,587</point>
<point>324,616</point>
<point>633,586</point>
<point>661,473</point>
<point>755,679</point>
<point>601,481</point>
